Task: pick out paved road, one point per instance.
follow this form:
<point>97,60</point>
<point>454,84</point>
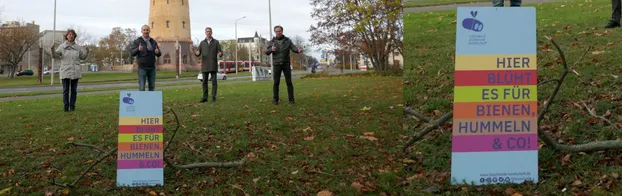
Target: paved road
<point>454,6</point>
<point>83,86</point>
<point>331,72</point>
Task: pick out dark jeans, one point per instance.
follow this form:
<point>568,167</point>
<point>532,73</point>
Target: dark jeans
<point>70,85</point>
<point>276,76</point>
<point>214,79</point>
<point>499,3</point>
<point>615,10</point>
<point>146,75</point>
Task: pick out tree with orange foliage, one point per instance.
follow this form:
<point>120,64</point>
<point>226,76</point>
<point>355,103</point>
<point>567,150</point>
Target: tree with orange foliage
<point>371,27</point>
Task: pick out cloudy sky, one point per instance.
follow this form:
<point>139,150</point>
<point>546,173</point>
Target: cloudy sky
<point>99,17</point>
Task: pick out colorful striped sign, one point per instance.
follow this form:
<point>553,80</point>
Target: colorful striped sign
<point>495,126</point>
<point>141,140</point>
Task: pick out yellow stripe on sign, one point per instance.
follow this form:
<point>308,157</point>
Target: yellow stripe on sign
<point>496,62</point>
<point>147,137</point>
<point>495,93</point>
<point>142,120</point>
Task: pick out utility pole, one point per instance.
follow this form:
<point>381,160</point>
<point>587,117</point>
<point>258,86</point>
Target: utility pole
<point>236,44</point>
<point>53,41</point>
<point>270,17</point>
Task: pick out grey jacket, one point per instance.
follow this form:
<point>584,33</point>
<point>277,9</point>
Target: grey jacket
<point>283,45</point>
<point>209,55</point>
<point>70,55</point>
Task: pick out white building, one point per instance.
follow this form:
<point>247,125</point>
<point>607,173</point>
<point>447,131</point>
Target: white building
<point>395,58</point>
<point>255,45</point>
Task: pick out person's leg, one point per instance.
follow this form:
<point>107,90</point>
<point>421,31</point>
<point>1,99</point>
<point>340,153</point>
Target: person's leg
<point>74,94</point>
<point>497,3</point>
<point>66,94</point>
<point>276,77</point>
<point>615,14</point>
<point>151,77</point>
<point>214,85</point>
<point>205,87</point>
<point>142,78</point>
<point>287,70</point>
<point>515,3</point>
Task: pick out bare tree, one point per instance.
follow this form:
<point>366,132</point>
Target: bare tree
<point>300,59</point>
<point>15,41</point>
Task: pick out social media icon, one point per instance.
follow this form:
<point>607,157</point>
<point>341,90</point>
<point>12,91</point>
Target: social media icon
<point>472,23</point>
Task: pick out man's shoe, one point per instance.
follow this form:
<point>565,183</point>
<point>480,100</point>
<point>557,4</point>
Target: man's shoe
<point>214,100</point>
<point>612,24</point>
<point>203,100</point>
<point>275,102</point>
<point>72,108</point>
<point>292,102</point>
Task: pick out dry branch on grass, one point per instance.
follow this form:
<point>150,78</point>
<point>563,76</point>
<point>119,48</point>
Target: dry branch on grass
<point>546,137</point>
<point>112,152</point>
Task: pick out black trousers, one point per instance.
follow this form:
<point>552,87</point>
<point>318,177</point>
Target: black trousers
<point>69,99</point>
<point>615,10</point>
<point>206,75</point>
<point>276,76</point>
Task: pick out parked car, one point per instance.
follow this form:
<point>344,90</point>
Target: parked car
<point>48,72</point>
<point>219,76</point>
<point>25,73</point>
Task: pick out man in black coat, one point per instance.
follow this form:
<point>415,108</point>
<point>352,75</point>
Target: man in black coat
<point>146,50</point>
<point>209,50</point>
<point>279,47</point>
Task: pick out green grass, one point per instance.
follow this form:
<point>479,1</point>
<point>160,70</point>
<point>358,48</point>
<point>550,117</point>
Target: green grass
<point>424,3</point>
<point>98,77</point>
<point>575,25</point>
<point>328,112</point>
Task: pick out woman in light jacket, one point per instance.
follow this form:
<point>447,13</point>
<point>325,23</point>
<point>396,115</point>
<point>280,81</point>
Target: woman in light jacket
<point>70,55</point>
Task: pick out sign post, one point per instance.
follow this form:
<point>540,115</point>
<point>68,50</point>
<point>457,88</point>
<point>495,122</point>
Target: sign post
<point>140,156</point>
<point>495,127</point>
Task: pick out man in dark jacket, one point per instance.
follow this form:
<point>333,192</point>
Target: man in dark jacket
<point>209,50</point>
<point>279,47</point>
<point>146,50</point>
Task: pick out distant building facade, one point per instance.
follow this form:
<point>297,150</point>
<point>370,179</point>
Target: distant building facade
<point>31,57</point>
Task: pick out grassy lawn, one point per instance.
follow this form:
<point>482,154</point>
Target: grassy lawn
<point>340,136</point>
<point>575,25</point>
<point>97,77</point>
<point>423,3</point>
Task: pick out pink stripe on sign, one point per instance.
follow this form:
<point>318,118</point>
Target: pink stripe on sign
<point>492,143</point>
<point>139,164</point>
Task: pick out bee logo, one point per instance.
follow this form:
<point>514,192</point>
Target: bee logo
<point>128,100</point>
<point>472,23</point>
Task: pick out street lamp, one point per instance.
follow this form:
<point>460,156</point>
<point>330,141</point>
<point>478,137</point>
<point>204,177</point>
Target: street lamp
<point>236,44</point>
<point>53,40</point>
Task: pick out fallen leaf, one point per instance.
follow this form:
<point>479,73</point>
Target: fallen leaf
<point>246,106</point>
<point>294,172</point>
<point>89,161</point>
<point>517,194</point>
<point>615,175</point>
<point>66,192</point>
<point>408,161</point>
<point>437,112</point>
<point>153,193</point>
<point>307,129</point>
<point>577,183</point>
<point>597,52</point>
<point>432,189</point>
<point>255,180</point>
<point>369,133</point>
<point>49,194</point>
<point>370,138</point>
<point>607,114</point>
<point>289,118</point>
<point>510,191</point>
<point>324,193</point>
<point>309,138</point>
<point>366,108</point>
<point>6,190</point>
<point>358,186</point>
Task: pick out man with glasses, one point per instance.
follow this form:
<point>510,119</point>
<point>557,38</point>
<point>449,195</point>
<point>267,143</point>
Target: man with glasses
<point>279,47</point>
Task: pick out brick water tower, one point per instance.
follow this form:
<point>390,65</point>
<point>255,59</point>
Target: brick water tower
<point>170,23</point>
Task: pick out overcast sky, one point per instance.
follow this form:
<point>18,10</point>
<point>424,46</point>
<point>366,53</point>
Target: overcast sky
<point>99,17</point>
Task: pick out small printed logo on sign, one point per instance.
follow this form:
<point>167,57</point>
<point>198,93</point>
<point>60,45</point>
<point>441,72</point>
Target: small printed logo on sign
<point>128,99</point>
<point>472,23</point>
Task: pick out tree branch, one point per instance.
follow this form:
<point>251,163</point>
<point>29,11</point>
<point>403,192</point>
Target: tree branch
<point>86,145</point>
<point>100,159</point>
<point>428,129</point>
<point>410,111</point>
